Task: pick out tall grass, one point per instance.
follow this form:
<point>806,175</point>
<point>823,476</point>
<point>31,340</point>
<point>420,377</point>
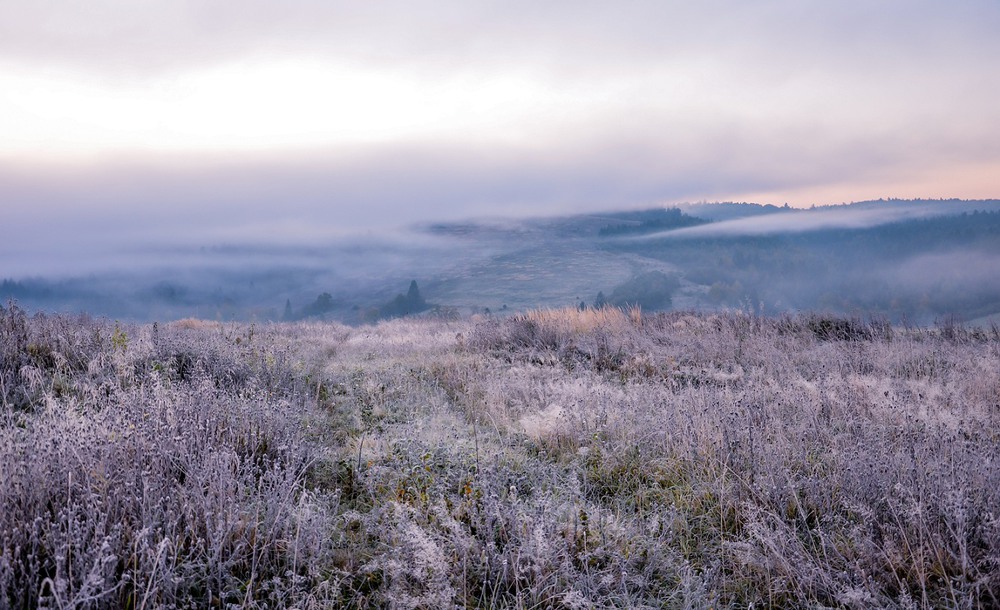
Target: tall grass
<point>563,458</point>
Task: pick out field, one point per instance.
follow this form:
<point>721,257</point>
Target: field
<point>554,459</point>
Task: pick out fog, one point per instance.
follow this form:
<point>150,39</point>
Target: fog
<point>909,261</point>
<point>92,217</point>
<point>829,217</point>
<point>913,261</point>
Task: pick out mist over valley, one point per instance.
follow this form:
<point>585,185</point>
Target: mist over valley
<point>915,261</point>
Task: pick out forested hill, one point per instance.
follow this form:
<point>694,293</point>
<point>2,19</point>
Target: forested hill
<point>918,268</point>
<point>913,261</point>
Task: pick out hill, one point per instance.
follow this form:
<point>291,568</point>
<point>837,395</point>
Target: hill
<point>911,261</point>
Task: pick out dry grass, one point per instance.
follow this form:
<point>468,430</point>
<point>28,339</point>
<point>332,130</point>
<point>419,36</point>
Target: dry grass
<point>196,324</point>
<point>573,321</point>
<point>566,458</point>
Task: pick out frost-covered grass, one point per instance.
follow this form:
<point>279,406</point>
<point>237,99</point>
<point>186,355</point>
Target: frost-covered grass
<point>556,459</point>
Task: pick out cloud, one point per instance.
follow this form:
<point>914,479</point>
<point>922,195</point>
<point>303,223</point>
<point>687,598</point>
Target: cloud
<point>115,34</point>
<point>805,221</point>
<point>211,73</point>
<point>203,122</point>
<point>55,212</point>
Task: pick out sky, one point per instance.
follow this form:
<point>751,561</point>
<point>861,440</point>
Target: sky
<point>126,123</point>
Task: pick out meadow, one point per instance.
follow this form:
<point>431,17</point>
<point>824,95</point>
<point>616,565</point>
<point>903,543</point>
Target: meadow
<point>552,459</point>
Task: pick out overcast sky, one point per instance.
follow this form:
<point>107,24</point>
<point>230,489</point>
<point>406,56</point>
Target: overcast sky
<point>208,121</point>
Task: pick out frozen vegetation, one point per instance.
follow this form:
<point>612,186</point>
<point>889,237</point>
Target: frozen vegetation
<point>566,459</point>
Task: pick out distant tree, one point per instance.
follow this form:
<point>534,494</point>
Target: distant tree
<point>403,305</point>
<point>324,303</point>
<point>399,306</point>
<point>600,301</point>
<point>288,310</point>
<point>413,297</point>
<point>649,221</point>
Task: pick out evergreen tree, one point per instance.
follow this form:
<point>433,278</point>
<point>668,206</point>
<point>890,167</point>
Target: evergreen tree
<point>414,301</point>
<point>404,305</point>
